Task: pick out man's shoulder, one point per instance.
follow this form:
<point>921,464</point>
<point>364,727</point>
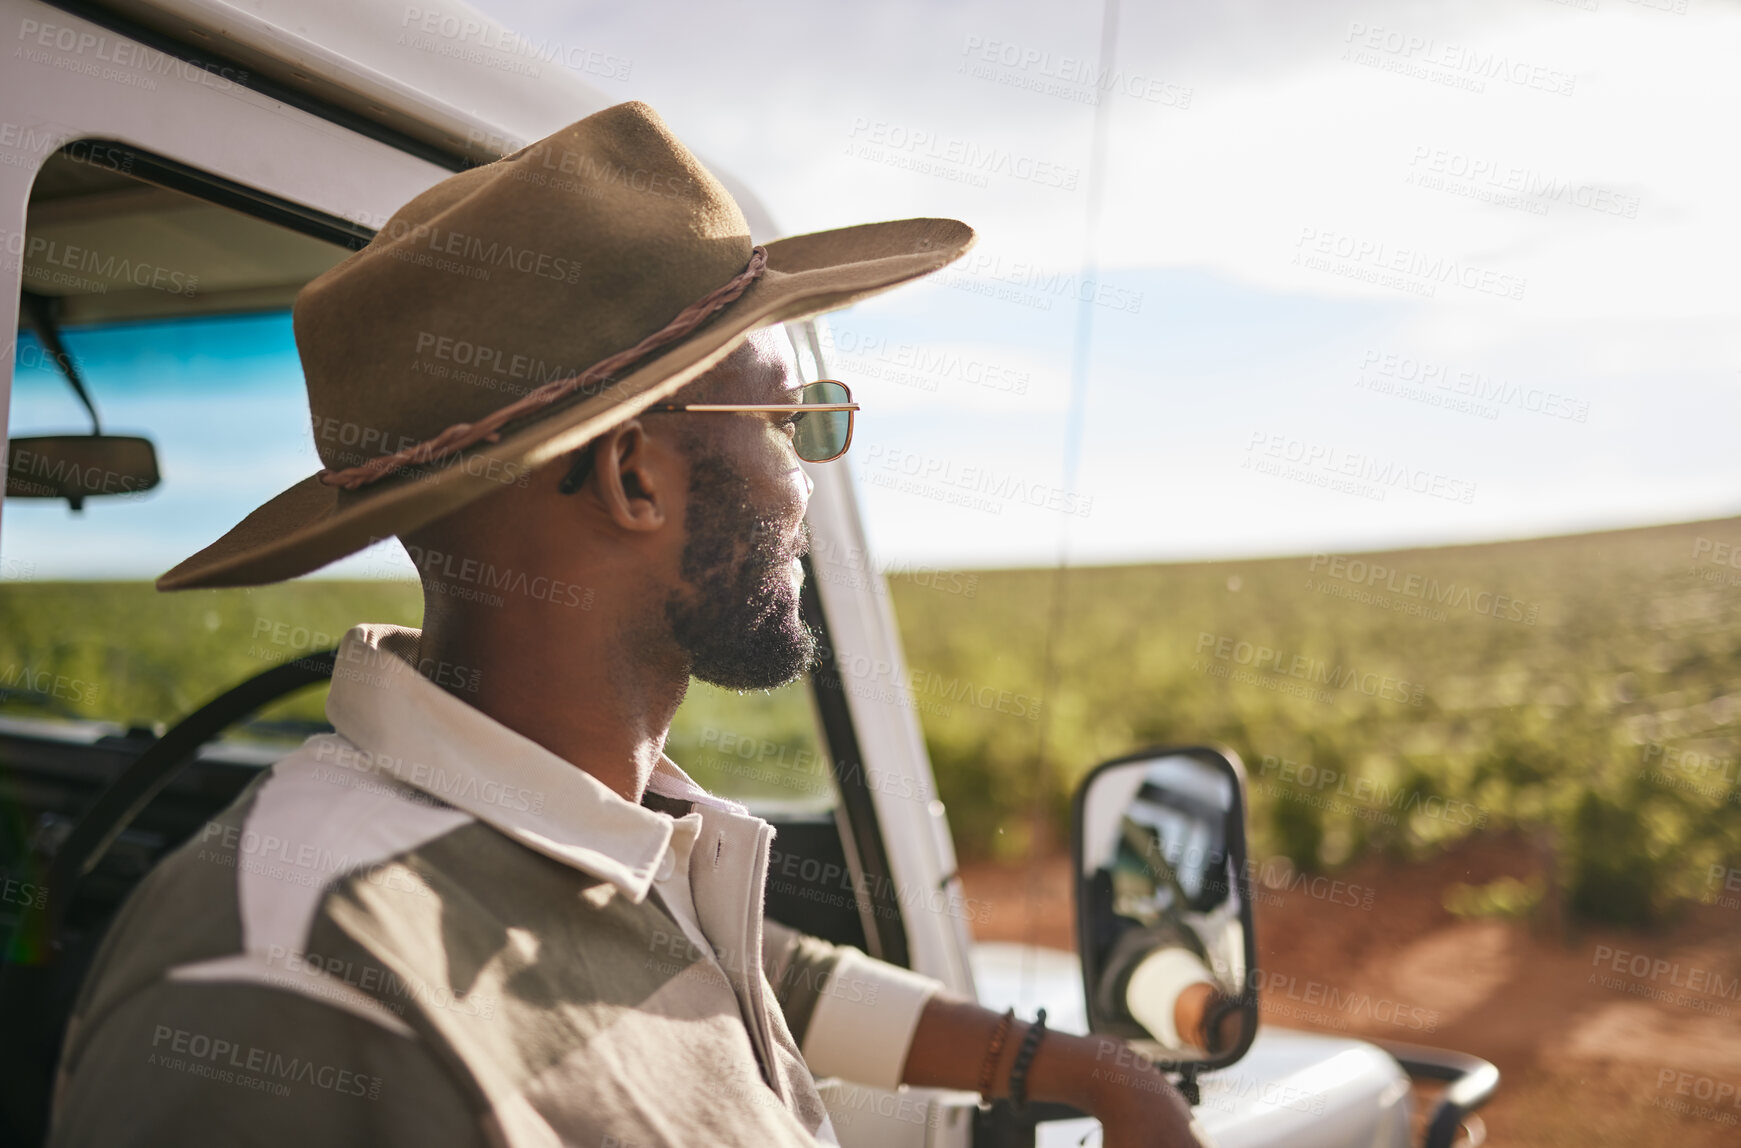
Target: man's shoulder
<point>252,879</point>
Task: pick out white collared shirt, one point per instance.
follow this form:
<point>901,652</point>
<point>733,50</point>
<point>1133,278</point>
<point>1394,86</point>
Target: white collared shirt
<point>426,737</point>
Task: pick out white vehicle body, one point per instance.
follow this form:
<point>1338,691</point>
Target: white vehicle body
<point>72,76</point>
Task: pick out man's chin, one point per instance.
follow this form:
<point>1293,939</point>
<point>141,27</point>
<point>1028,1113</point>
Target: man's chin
<point>762,662</point>
<point>764,651</point>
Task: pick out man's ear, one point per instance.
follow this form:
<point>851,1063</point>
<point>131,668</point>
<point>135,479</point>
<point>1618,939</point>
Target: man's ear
<point>633,476</point>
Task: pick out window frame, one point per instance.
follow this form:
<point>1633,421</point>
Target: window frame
<point>888,847</point>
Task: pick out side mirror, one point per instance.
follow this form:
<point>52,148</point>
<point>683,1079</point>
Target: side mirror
<point>79,466</point>
<point>1163,906</point>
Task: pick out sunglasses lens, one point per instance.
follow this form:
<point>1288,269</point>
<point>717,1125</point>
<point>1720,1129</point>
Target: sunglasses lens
<point>822,435</point>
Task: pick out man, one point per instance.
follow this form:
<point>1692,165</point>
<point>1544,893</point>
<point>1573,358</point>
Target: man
<point>488,909</point>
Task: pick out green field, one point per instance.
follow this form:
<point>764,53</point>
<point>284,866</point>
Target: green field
<point>1584,689</point>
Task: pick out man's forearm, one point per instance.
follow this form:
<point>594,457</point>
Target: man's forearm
<point>950,1047</point>
<point>950,1050</point>
<point>1133,1101</point>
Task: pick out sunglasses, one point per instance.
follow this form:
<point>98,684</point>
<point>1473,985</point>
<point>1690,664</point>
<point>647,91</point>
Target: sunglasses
<point>822,422</point>
<point>822,425</point>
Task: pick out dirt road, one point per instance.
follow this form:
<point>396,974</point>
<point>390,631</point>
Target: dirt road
<point>1603,1037</point>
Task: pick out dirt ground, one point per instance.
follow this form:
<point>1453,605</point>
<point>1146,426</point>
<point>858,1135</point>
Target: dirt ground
<point>1602,1037</point>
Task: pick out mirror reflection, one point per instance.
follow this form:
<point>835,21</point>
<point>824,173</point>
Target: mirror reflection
<point>1166,927</point>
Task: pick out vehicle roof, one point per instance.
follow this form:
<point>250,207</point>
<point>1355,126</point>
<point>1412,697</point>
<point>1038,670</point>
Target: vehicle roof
<point>473,87</point>
<point>371,57</point>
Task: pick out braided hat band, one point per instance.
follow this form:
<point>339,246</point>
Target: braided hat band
<point>460,436</point>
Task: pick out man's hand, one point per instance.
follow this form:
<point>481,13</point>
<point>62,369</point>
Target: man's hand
<point>1134,1102</point>
<point>1137,1105</point>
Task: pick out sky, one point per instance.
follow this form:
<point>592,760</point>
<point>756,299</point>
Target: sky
<point>1364,275</point>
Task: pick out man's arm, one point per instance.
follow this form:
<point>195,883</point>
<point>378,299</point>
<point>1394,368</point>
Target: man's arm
<point>1133,1101</point>
<point>875,1024</point>
<point>852,1016</point>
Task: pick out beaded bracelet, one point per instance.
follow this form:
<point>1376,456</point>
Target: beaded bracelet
<point>1025,1057</point>
<point>992,1050</point>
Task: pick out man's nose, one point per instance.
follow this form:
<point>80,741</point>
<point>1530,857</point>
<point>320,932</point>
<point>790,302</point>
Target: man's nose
<point>803,484</point>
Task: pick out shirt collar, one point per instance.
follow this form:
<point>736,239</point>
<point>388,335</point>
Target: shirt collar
<point>427,738</point>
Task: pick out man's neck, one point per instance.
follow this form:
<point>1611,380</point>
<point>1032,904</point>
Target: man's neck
<point>576,683</point>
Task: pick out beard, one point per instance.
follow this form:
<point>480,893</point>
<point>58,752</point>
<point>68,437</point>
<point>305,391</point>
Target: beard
<point>740,620</point>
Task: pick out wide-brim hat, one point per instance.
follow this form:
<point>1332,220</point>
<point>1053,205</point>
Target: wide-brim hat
<point>515,311</point>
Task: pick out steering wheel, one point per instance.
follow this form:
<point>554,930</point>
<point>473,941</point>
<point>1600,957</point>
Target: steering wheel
<point>34,976</point>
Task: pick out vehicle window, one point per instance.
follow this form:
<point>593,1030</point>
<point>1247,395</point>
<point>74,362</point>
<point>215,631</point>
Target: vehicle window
<point>758,748</point>
<point>172,312</point>
<point>175,314</point>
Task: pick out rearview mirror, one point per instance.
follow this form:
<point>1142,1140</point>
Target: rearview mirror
<point>1163,905</point>
<point>79,466</point>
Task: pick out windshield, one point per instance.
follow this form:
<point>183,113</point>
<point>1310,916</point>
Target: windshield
<point>84,636</point>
